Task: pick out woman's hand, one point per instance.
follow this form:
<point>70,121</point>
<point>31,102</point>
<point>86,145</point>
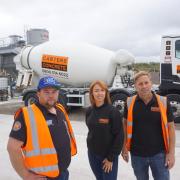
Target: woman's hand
<point>125,154</point>
<point>107,166</point>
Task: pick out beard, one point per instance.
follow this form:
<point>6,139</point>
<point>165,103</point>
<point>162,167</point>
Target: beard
<point>49,105</point>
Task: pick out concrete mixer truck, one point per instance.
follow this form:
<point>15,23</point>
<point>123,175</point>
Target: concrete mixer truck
<point>75,66</point>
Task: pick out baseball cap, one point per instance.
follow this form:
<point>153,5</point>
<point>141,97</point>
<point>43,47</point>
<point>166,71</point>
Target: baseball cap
<point>48,81</point>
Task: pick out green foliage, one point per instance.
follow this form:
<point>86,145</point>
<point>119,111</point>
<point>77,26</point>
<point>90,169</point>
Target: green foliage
<point>150,67</point>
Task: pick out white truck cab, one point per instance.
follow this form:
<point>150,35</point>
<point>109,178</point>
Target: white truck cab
<point>170,72</point>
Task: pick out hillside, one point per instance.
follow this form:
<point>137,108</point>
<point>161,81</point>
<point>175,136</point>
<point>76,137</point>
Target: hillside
<point>150,67</point>
<point>153,68</point>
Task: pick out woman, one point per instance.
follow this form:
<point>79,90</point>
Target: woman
<point>105,136</point>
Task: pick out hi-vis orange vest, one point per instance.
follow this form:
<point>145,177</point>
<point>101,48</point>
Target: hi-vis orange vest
<point>162,103</point>
<point>39,153</point>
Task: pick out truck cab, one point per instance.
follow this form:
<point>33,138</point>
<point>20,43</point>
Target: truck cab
<point>170,72</point>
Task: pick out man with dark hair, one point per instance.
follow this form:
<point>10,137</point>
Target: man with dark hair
<point>41,141</point>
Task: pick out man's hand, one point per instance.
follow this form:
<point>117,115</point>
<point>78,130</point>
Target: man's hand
<point>170,157</point>
<point>170,160</point>
<point>107,166</point>
<point>125,154</point>
<point>32,176</point>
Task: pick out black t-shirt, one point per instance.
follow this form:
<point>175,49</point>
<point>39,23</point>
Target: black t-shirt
<point>105,135</point>
<point>147,137</point>
<point>56,124</point>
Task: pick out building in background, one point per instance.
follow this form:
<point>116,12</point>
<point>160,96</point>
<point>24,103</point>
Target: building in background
<point>37,36</point>
<point>12,45</point>
<point>9,47</point>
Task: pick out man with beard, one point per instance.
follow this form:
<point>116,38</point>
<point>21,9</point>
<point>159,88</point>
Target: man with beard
<point>149,131</point>
<point>41,141</point>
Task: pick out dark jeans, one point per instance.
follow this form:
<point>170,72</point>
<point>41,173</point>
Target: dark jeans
<point>156,163</point>
<point>64,176</point>
<point>95,162</point>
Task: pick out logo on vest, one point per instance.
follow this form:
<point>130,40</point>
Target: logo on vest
<point>49,122</point>
<point>17,126</point>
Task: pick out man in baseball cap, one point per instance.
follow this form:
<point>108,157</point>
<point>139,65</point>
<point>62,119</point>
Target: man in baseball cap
<point>40,138</point>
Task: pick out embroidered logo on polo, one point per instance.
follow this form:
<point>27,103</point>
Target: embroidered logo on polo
<point>103,121</point>
<point>16,126</point>
<point>155,109</point>
<point>49,122</point>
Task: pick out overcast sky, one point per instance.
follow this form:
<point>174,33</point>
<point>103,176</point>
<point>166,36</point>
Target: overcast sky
<point>135,25</point>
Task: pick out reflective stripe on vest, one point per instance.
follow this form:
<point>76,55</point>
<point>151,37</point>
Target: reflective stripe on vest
<point>38,152</point>
<point>33,128</point>
<point>130,102</point>
<point>163,100</point>
<point>45,169</point>
<point>162,103</point>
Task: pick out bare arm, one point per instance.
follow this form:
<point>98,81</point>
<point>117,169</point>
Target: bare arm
<point>170,157</point>
<point>16,158</point>
<point>171,137</point>
<point>17,161</point>
<point>125,131</point>
<point>125,153</point>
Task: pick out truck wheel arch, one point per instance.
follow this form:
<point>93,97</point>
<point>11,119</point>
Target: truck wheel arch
<point>118,99</point>
<point>174,100</point>
<point>30,98</point>
<point>62,99</point>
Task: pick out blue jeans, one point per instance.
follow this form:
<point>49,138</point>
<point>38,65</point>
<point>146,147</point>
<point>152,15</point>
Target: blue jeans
<point>156,163</point>
<point>95,162</point>
<point>63,176</point>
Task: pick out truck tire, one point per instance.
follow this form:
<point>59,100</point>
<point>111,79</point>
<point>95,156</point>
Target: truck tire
<point>62,99</point>
<point>118,100</point>
<point>30,99</point>
<point>174,100</point>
